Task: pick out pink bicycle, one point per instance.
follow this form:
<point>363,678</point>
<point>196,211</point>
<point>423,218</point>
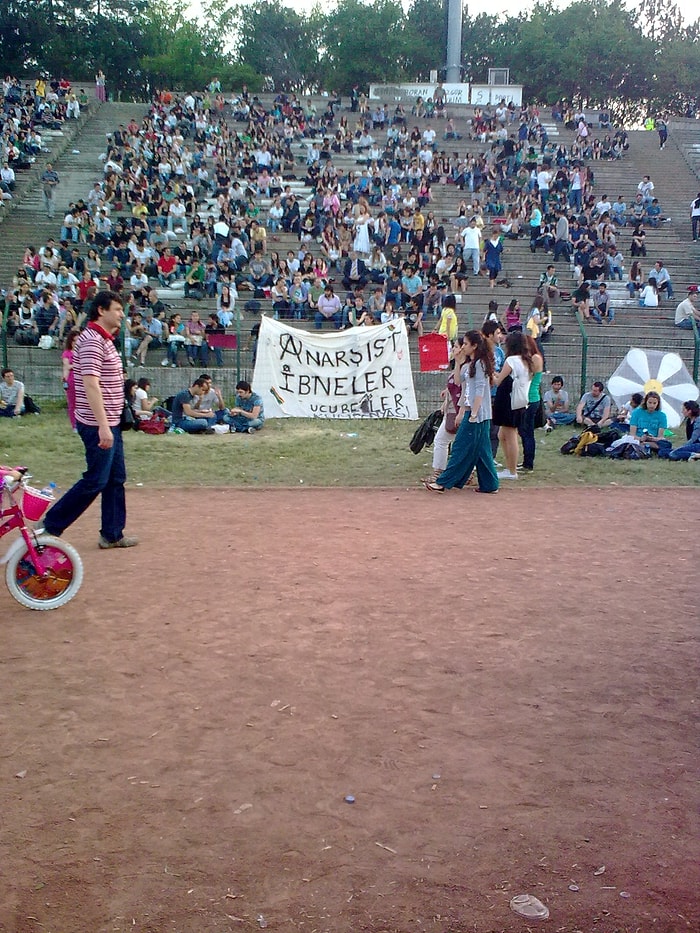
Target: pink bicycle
<point>42,572</point>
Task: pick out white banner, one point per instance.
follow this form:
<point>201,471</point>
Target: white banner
<point>363,372</point>
<point>454,93</point>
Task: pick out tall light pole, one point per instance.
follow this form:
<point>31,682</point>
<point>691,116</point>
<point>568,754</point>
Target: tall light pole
<point>454,41</point>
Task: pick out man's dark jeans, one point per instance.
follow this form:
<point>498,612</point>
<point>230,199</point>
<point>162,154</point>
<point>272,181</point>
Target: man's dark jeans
<point>106,475</point>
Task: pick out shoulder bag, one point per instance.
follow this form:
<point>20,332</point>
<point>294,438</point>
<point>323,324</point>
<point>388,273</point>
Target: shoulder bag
<point>521,385</point>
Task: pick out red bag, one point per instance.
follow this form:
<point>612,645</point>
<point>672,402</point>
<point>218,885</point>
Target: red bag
<point>153,425</point>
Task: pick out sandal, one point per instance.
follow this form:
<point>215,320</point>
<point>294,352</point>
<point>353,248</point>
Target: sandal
<point>486,492</point>
<point>433,487</point>
<point>433,476</point>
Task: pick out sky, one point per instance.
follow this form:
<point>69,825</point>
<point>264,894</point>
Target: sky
<point>689,8</point>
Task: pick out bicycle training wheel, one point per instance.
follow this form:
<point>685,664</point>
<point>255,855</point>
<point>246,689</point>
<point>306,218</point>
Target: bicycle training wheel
<point>57,586</point>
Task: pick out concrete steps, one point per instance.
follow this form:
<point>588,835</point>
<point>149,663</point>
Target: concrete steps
<point>607,344</point>
<point>77,171</point>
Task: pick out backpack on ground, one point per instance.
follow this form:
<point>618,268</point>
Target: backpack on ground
<point>629,451</point>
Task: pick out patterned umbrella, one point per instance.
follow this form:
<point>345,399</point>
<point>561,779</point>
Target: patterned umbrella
<point>654,371</point>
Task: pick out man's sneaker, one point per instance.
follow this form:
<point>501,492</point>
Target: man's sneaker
<point>210,431</point>
<point>506,474</point>
<point>122,542</point>
<point>548,427</point>
<point>251,430</point>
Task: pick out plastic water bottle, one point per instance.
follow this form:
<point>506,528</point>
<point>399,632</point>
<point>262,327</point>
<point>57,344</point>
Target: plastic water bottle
<point>49,491</point>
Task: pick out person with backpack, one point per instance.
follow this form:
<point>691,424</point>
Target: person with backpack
<point>512,398</point>
<point>594,407</point>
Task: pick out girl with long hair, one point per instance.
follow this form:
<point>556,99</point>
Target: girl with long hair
<point>471,448</point>
<point>527,422</point>
<point>518,365</point>
<point>69,376</point>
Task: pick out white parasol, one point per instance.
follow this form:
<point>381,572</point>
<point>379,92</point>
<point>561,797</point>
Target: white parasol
<point>654,371</point>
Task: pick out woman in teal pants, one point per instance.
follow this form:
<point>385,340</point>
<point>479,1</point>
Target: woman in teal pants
<point>471,447</point>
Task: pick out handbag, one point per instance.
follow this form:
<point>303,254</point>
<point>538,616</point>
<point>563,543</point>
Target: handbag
<point>154,425</point>
<point>521,386</point>
<point>450,416</point>
<point>128,421</point>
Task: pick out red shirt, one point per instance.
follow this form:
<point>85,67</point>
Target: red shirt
<point>83,288</point>
<point>96,355</point>
<point>166,264</point>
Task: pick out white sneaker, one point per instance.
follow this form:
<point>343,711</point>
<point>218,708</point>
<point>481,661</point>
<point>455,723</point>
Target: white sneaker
<point>165,362</point>
<point>547,428</point>
<point>506,474</point>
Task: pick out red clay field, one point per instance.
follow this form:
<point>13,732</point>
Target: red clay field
<point>329,711</point>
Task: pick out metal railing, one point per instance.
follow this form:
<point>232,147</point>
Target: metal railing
<point>584,351</point>
<point>3,331</point>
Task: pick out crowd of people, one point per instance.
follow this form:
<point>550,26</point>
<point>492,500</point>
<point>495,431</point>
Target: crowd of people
<point>494,397</point>
<point>195,195</point>
<point>26,111</point>
<point>191,195</point>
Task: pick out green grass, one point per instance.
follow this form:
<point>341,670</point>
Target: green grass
<point>296,452</point>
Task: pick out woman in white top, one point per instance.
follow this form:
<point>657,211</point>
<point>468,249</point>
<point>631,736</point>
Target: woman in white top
<point>377,265</point>
<point>138,280</point>
<point>508,412</point>
<point>143,405</point>
<point>274,215</point>
<point>649,296</point>
<point>363,223</point>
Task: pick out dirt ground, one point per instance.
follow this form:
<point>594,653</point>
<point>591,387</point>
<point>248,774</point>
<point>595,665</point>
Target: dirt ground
<point>506,686</point>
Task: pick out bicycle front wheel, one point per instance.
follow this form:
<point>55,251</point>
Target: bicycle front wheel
<point>59,583</point>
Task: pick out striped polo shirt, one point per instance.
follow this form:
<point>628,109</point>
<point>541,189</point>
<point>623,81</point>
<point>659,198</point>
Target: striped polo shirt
<point>96,355</point>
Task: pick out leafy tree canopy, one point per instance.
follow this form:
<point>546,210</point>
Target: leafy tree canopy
<point>592,51</point>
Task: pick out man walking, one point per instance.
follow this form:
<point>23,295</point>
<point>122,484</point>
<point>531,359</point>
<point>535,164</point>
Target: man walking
<point>49,181</point>
<point>99,402</point>
<point>695,217</point>
<point>471,245</point>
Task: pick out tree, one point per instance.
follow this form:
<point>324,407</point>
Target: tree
<point>425,38</point>
<point>185,55</point>
<point>590,51</point>
<point>488,42</point>
<point>276,41</point>
<point>363,43</point>
<point>23,30</point>
<point>660,19</point>
<point>677,78</point>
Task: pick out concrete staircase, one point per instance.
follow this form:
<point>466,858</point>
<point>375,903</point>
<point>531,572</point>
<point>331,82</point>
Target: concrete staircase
<point>685,135</point>
<point>78,170</point>
<point>607,345</point>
